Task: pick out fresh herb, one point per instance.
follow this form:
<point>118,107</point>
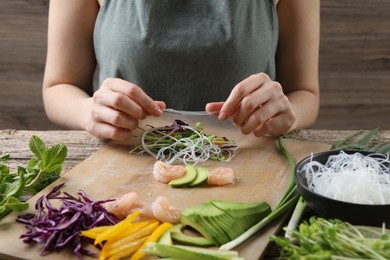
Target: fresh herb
<point>58,228</point>
<point>335,239</point>
<point>360,141</point>
<point>183,142</point>
<point>289,200</point>
<point>43,169</point>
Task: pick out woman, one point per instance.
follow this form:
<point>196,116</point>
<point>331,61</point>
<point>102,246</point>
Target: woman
<point>254,61</point>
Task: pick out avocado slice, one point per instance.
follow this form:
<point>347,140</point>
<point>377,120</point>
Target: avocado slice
<point>195,218</point>
<point>201,176</point>
<point>186,179</point>
<point>249,213</point>
<point>222,221</point>
<point>178,235</point>
<point>166,238</point>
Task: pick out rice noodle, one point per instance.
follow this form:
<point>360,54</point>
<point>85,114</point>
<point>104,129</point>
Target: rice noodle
<point>188,150</point>
<point>356,178</point>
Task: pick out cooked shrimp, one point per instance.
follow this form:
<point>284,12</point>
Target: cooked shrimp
<point>221,176</point>
<point>164,173</point>
<point>164,212</point>
<point>123,206</point>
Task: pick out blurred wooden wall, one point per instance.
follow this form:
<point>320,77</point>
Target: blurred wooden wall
<point>354,64</point>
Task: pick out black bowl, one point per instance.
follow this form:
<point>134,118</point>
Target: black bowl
<point>357,214</point>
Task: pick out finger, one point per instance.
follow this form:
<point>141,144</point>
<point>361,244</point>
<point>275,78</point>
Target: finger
<point>161,105</point>
<point>278,125</point>
<point>261,131</point>
<point>213,108</point>
<point>240,91</point>
<point>115,118</point>
<point>137,95</point>
<point>269,93</point>
<point>106,131</point>
<point>259,117</point>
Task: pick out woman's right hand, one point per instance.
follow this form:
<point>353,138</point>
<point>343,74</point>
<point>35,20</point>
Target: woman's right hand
<point>117,107</point>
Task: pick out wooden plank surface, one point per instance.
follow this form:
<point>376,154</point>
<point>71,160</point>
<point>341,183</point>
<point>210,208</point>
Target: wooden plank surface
<point>354,64</point>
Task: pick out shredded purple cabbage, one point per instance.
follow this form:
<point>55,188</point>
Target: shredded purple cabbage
<point>60,227</point>
<point>178,125</point>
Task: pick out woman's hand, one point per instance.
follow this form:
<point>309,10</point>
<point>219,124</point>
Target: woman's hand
<point>117,107</point>
<point>257,104</point>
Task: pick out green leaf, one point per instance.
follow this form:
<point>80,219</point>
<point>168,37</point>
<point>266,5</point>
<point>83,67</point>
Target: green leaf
<point>4,169</point>
<point>37,147</point>
<point>32,163</point>
<point>54,158</point>
<point>15,204</point>
<point>4,211</point>
<point>15,188</point>
<point>4,158</point>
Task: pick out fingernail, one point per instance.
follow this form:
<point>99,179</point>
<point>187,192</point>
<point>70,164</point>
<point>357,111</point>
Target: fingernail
<point>222,116</point>
<point>157,110</point>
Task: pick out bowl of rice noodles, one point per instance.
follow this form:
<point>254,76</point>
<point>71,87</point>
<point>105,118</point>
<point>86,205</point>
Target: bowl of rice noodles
<point>353,186</point>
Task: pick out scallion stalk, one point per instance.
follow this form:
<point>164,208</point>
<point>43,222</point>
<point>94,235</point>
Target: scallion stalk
<point>288,200</point>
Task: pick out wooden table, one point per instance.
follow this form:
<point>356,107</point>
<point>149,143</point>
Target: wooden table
<point>81,145</point>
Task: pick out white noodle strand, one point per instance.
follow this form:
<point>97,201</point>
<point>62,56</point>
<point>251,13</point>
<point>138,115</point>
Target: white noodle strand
<point>352,178</point>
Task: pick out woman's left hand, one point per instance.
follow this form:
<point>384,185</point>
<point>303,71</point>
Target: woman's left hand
<point>257,104</point>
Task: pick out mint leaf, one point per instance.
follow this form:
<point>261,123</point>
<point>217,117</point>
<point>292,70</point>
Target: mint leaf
<point>15,188</point>
<point>32,163</point>
<point>4,169</point>
<point>53,158</point>
<point>15,204</point>
<point>37,147</point>
<point>41,171</point>
<point>4,158</point>
<point>4,211</point>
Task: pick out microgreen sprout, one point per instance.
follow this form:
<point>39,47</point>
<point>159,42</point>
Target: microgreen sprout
<point>183,142</point>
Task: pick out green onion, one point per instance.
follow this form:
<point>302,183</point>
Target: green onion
<point>288,200</point>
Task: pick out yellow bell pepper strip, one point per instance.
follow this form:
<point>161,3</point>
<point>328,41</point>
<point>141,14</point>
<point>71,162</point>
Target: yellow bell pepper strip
<point>94,232</point>
<point>125,250</point>
<point>134,227</point>
<point>146,231</point>
<point>157,233</point>
<point>118,228</point>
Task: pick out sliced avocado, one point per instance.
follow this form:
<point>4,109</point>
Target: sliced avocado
<point>186,179</point>
<point>201,218</point>
<point>201,176</point>
<point>178,236</point>
<point>193,217</point>
<point>249,213</point>
<point>166,238</point>
<point>229,225</point>
<point>222,221</point>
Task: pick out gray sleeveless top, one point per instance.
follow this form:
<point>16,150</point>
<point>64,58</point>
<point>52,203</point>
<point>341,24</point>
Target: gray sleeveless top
<point>186,52</point>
